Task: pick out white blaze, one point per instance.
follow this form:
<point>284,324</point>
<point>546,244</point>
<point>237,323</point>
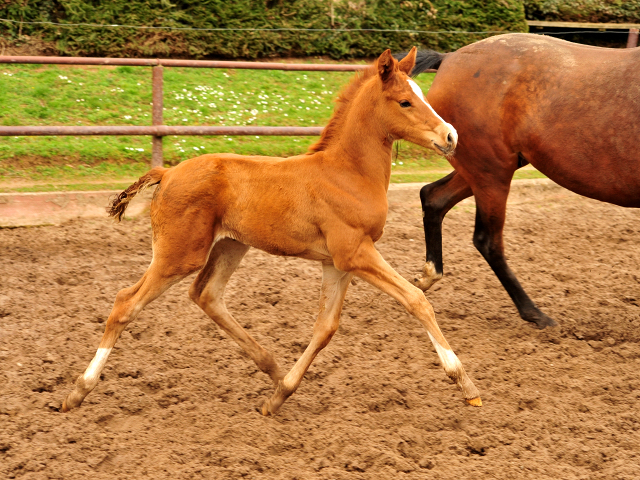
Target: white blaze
<point>418,91</point>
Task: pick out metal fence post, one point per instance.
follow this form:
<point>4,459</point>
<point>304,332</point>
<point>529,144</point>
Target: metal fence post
<point>632,40</point>
<point>156,142</point>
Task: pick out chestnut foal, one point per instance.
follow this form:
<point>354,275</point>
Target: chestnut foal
<point>328,205</point>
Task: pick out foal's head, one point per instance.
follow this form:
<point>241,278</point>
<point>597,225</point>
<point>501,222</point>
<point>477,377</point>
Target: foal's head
<point>403,109</point>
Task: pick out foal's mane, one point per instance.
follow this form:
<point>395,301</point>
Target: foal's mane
<point>342,106</point>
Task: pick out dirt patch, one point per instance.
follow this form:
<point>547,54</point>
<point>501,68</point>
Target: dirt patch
<point>178,398</point>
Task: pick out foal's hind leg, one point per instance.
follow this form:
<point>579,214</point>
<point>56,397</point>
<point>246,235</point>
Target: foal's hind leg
<point>437,199</point>
<point>129,302</point>
<point>207,291</point>
<point>334,288</point>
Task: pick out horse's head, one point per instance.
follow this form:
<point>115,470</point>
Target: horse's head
<point>405,112</point>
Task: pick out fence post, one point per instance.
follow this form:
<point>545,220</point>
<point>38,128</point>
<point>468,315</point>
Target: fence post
<point>156,142</point>
<point>632,40</point>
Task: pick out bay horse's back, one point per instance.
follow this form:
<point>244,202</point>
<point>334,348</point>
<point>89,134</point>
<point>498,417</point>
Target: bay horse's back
<point>570,110</point>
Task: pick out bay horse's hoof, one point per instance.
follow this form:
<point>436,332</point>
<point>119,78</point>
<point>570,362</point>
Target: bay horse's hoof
<point>428,278</point>
<point>540,319</point>
<point>475,402</point>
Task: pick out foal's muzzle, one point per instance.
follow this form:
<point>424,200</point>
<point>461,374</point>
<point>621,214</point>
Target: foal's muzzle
<point>449,147</point>
<point>451,142</point>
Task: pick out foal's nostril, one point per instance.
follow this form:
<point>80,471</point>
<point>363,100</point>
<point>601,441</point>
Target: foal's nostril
<point>450,138</point>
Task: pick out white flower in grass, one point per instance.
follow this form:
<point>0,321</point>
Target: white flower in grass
<point>127,117</point>
<point>185,120</point>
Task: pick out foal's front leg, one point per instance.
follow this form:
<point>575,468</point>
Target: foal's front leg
<point>208,291</point>
<point>368,264</point>
<point>334,289</point>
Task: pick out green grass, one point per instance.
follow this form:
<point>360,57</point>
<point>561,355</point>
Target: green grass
<point>88,95</point>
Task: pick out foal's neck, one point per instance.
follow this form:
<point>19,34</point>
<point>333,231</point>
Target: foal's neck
<point>363,144</point>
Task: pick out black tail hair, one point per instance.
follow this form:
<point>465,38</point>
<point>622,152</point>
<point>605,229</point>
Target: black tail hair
<point>425,60</point>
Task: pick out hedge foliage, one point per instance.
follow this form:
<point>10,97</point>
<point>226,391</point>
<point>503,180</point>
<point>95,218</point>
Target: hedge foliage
<point>602,11</point>
<point>428,15</point>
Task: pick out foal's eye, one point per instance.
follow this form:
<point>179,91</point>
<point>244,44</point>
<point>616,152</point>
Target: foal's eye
<point>405,104</point>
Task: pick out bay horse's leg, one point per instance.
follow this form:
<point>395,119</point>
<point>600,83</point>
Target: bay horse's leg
<point>334,289</point>
<point>491,206</point>
<point>128,304</point>
<point>368,264</point>
<point>437,199</point>
<point>208,290</point>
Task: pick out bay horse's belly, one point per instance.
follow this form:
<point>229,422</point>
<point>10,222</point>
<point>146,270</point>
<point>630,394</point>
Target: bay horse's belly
<point>571,110</point>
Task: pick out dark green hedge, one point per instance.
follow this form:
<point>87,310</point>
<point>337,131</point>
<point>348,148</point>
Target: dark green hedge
<point>433,16</point>
<point>602,11</point>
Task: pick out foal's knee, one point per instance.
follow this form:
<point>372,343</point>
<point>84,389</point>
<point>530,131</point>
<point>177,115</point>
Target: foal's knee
<point>326,332</point>
<point>416,302</point>
<point>195,293</point>
<point>206,300</point>
<point>199,295</point>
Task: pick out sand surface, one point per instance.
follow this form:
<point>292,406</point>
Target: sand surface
<point>177,399</point>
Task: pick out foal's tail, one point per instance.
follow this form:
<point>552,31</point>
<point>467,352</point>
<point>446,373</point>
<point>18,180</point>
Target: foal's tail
<point>425,60</point>
<point>120,203</point>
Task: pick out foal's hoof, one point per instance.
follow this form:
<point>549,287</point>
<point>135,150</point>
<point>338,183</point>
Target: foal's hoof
<point>72,401</point>
<point>264,409</point>
<point>474,402</point>
<point>428,278</point>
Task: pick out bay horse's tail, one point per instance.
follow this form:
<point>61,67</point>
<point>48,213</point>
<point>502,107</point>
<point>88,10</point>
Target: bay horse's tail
<point>425,60</point>
<point>120,203</point>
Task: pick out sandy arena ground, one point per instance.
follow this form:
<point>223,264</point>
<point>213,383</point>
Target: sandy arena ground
<point>178,398</point>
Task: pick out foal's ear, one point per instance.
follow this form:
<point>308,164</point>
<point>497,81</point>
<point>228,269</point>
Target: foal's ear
<point>386,65</point>
<point>407,63</point>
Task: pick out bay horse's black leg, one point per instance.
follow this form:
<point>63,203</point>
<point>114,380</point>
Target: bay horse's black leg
<point>488,239</point>
<point>437,199</point>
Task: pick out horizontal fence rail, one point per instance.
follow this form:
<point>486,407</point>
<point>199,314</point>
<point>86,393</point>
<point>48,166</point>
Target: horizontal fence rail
<point>165,62</point>
<point>158,131</point>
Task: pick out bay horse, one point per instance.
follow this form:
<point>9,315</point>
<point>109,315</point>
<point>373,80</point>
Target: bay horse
<point>328,205</point>
<point>570,110</point>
